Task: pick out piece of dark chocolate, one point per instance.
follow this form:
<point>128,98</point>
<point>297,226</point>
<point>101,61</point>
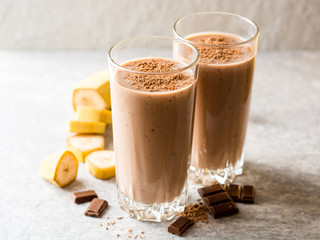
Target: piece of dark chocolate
<point>85,196</point>
<point>96,207</point>
<point>218,201</point>
<point>180,225</point>
<point>210,190</point>
<point>247,194</point>
<point>223,209</point>
<point>234,190</point>
<point>238,193</point>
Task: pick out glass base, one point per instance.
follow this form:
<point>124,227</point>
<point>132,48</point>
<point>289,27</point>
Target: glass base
<point>224,176</point>
<point>156,212</point>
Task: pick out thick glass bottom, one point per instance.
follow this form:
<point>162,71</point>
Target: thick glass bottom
<point>156,212</point>
<point>208,176</point>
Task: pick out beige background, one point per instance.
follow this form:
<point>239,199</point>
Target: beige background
<point>96,24</point>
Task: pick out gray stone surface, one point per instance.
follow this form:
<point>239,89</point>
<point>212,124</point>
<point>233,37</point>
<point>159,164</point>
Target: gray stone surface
<point>282,153</point>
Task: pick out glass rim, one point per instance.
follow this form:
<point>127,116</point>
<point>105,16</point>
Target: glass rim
<point>115,64</point>
<point>217,13</point>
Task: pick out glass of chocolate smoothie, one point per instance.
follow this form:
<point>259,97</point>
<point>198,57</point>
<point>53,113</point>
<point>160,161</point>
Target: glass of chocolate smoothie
<point>228,45</point>
<point>153,87</point>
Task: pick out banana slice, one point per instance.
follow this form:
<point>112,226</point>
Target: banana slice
<point>60,168</point>
<point>93,91</point>
<point>85,144</point>
<point>101,164</point>
<point>86,127</point>
<point>93,115</point>
<point>77,153</point>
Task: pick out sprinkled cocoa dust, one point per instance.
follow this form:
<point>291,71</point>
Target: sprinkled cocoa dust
<point>154,65</point>
<point>196,212</point>
<point>220,52</point>
<point>159,80</point>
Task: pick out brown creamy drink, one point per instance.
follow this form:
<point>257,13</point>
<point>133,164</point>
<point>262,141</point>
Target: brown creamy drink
<point>223,100</point>
<point>152,125</point>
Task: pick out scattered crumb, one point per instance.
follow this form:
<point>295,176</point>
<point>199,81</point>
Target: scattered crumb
<point>101,224</point>
<point>109,223</point>
<point>128,235</point>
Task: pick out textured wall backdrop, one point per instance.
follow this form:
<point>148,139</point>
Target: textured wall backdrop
<point>97,24</point>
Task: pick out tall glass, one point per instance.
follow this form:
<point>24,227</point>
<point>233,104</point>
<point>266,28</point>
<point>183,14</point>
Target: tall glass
<point>153,86</point>
<point>228,45</point>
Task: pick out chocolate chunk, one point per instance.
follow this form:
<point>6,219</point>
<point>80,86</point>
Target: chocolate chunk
<point>85,196</point>
<point>238,193</point>
<point>234,191</point>
<point>218,201</point>
<point>96,207</point>
<point>217,198</point>
<point>223,209</point>
<point>247,194</point>
<point>179,226</point>
<point>210,190</point>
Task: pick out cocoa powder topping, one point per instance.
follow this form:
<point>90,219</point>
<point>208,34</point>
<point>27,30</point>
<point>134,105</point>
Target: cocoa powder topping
<point>220,52</point>
<point>154,65</point>
<point>154,82</point>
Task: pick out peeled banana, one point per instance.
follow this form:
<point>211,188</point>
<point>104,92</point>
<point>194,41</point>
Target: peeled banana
<point>60,168</point>
<point>93,91</point>
<point>86,127</point>
<point>94,115</point>
<point>77,153</point>
<point>84,144</point>
<point>101,164</point>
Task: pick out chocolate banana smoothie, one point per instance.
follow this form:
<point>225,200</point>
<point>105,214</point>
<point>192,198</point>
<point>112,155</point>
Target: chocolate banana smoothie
<point>153,109</point>
<point>223,100</point>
